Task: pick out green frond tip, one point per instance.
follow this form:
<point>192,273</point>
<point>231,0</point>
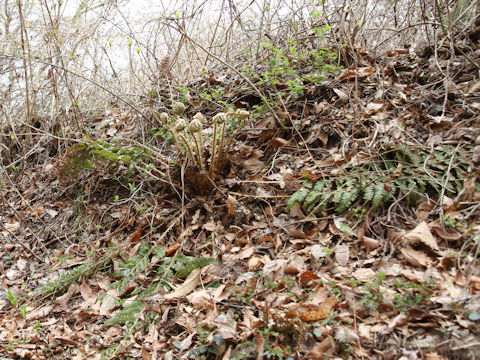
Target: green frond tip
<point>369,192</point>
<point>298,196</point>
<point>348,197</point>
<point>193,264</point>
<point>127,314</point>
<point>378,197</point>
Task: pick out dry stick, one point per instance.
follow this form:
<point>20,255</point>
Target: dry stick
<point>86,79</point>
<point>264,99</point>
<point>25,70</point>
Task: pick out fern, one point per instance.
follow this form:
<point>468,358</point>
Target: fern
<point>300,195</point>
<point>74,275</point>
<point>128,314</point>
<point>193,264</point>
<point>348,197</point>
<point>378,197</point>
<point>369,192</point>
<point>133,265</point>
<point>412,173</point>
<point>314,196</point>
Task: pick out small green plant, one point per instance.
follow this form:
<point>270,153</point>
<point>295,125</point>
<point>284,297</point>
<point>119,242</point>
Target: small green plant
<point>374,296</point>
<point>412,294</point>
<point>450,223</point>
<point>22,309</point>
<point>86,154</point>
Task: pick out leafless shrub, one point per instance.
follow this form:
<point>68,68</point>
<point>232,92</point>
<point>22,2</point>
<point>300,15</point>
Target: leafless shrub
<point>60,64</point>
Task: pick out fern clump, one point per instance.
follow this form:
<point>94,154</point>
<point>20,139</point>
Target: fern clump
<point>399,173</point>
<point>189,135</point>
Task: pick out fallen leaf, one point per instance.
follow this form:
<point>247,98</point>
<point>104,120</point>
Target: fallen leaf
<point>415,257</point>
<point>190,283</point>
<point>252,164</point>
<point>447,234</point>
<point>369,243</point>
<point>135,237</point>
<point>421,233</point>
<point>308,276</point>
<point>322,350</point>
<point>39,313</point>
<point>277,142</point>
<point>172,248</point>
<point>109,302</point>
<point>200,299</point>
<point>363,274</point>
<point>342,254</point>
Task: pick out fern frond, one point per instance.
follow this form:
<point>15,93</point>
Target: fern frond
<point>369,192</point>
<point>127,314</point>
<point>348,198</point>
<point>313,197</point>
<point>378,197</point>
<point>298,196</point>
<point>323,202</point>
<point>196,263</point>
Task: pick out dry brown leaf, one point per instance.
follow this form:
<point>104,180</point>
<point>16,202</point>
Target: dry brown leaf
<point>231,204</point>
<point>86,292</point>
<point>324,349</point>
<point>468,191</point>
<point>260,343</point>
<point>308,276</point>
<point>277,142</point>
<point>342,254</point>
<point>369,243</point>
<point>252,164</point>
<point>39,313</point>
<point>172,248</point>
<point>200,299</point>
<point>190,283</point>
<point>399,320</point>
<point>109,302</point>
<point>135,237</point>
<point>433,356</point>
<point>210,226</point>
<point>445,233</point>
<point>146,354</point>
<point>363,274</point>
<point>275,269</point>
<point>63,300</point>
<point>421,233</point>
<point>320,297</point>
<point>415,257</point>
<point>460,279</point>
<point>256,263</point>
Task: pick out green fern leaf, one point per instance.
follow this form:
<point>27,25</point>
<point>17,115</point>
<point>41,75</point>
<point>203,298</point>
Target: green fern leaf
<point>369,192</point>
<point>313,196</point>
<point>347,199</point>
<point>127,314</point>
<point>378,197</point>
<point>323,202</point>
<point>337,197</point>
<point>298,196</point>
<point>196,263</point>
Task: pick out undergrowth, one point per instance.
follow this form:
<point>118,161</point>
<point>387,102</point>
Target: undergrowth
<point>396,174</point>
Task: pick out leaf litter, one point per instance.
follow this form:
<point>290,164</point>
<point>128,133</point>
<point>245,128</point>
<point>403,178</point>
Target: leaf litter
<point>238,273</point>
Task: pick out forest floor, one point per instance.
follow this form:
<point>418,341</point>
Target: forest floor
<point>345,224</point>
